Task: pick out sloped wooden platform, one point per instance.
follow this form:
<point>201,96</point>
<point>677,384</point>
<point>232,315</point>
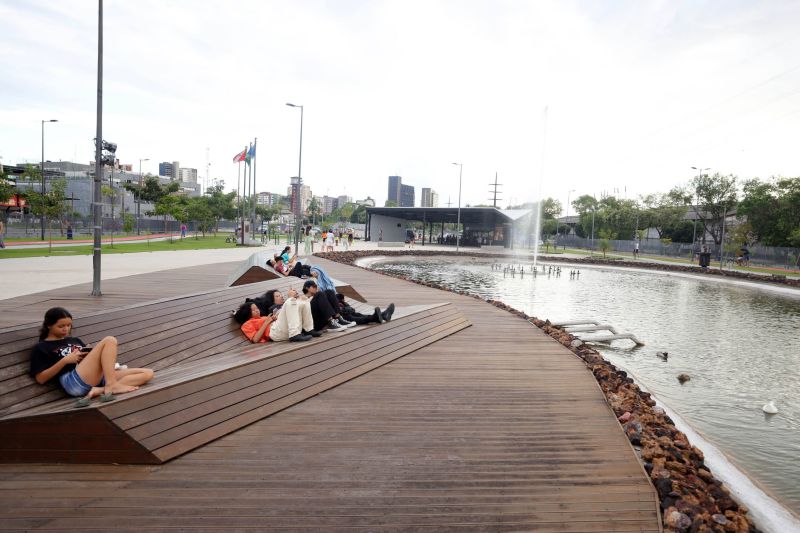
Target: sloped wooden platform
<point>255,269</point>
<point>191,404</point>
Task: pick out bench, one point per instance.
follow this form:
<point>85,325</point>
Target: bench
<point>255,269</point>
<point>209,380</point>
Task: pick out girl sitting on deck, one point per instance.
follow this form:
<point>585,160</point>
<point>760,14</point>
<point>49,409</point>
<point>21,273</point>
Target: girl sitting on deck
<point>82,371</point>
<point>270,317</point>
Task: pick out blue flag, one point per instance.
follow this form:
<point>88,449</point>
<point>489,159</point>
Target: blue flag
<point>251,154</point>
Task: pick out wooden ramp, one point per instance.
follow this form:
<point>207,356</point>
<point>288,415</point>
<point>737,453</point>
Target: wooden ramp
<point>495,428</point>
<point>256,269</point>
<point>210,381</point>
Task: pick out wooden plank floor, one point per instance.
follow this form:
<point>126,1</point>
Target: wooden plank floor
<point>496,427</point>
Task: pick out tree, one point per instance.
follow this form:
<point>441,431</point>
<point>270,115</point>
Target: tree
<point>606,236</point>
<point>314,210</point>
<point>551,208</point>
<point>772,209</point>
<point>718,196</point>
<point>199,211</point>
<point>665,211</point>
<point>359,215</point>
<point>7,189</point>
<point>171,205</point>
<point>52,206</point>
<point>220,204</point>
<point>390,203</point>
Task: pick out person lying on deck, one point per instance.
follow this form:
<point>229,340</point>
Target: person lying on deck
<point>81,370</point>
<point>296,269</point>
<point>274,318</point>
<point>325,308</point>
<point>350,314</point>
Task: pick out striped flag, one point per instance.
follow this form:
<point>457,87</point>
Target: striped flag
<point>238,158</point>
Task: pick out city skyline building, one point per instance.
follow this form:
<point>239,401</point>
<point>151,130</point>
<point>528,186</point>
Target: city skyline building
<point>406,196</point>
<point>401,195</point>
<point>395,182</point>
<point>429,198</point>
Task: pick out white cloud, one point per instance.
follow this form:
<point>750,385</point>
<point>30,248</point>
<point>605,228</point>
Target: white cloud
<point>637,91</point>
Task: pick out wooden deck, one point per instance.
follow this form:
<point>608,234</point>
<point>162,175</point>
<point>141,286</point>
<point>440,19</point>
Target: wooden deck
<point>497,427</point>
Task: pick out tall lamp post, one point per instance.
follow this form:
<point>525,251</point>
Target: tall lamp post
<point>139,196</point>
<point>42,169</point>
<point>458,220</point>
<point>299,185</point>
<point>697,201</point>
<point>566,222</point>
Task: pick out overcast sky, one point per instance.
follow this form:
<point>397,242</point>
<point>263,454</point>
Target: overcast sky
<point>636,91</point>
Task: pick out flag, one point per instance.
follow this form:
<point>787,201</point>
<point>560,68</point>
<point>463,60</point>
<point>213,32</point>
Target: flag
<point>251,154</point>
<point>238,158</point>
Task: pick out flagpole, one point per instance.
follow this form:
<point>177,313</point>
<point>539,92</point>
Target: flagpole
<point>241,208</point>
<point>255,193</point>
<point>238,184</point>
<point>249,170</point>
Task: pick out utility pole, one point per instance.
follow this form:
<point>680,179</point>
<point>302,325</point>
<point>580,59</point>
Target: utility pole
<point>494,192</point>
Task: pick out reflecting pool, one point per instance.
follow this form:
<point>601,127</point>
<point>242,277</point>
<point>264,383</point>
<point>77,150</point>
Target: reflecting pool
<point>736,341</point>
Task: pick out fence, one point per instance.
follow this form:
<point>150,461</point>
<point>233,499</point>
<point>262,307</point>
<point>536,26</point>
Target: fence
<point>772,256</point>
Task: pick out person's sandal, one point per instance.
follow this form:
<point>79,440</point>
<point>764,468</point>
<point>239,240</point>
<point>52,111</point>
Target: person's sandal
<point>81,403</point>
<point>107,397</point>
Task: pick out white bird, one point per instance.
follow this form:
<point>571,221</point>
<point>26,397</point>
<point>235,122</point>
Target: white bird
<point>770,408</point>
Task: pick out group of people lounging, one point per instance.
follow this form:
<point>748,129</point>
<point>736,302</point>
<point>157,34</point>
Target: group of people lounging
<point>88,372</point>
<point>302,316</point>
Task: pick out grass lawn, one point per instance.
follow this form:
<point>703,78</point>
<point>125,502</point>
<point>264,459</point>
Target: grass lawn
<point>189,243</point>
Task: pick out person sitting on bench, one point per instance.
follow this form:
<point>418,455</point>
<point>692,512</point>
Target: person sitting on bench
<point>82,371</point>
<point>288,319</point>
<point>350,314</point>
<point>325,308</point>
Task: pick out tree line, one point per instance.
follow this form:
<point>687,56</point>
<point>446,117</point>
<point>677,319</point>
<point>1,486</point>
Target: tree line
<point>767,212</point>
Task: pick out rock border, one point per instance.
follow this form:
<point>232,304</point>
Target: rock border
<point>691,498</point>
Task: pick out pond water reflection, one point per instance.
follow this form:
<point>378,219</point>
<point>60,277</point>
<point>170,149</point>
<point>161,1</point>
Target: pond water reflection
<point>738,344</point>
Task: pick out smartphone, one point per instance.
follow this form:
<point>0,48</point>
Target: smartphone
<point>86,349</point>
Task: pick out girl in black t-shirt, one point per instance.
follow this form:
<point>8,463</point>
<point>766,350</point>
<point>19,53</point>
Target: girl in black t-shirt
<point>81,371</point>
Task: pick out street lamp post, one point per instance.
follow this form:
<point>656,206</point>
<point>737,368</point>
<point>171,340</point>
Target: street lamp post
<point>139,196</point>
<point>42,169</point>
<point>566,223</point>
<point>299,185</point>
<point>458,219</point>
<point>697,201</point>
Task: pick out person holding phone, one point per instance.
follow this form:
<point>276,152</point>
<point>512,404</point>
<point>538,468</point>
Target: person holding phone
<point>272,317</point>
<point>82,371</point>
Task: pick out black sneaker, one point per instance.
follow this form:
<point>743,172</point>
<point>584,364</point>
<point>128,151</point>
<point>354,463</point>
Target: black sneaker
<point>333,325</point>
<point>345,323</point>
<point>378,317</point>
<point>313,333</point>
<point>300,337</point>
<point>387,314</point>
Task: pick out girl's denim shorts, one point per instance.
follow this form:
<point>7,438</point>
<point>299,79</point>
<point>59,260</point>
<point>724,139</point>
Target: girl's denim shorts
<point>74,385</point>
